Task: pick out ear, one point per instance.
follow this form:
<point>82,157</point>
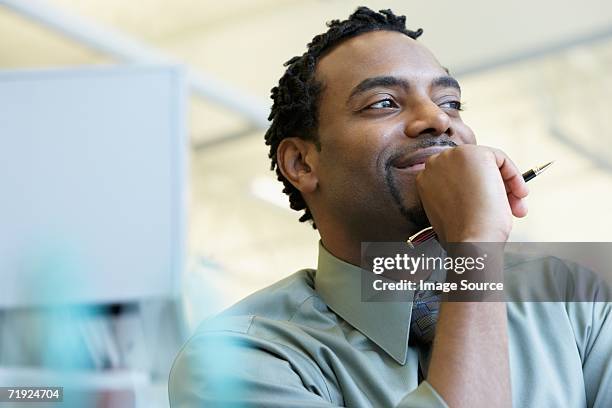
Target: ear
<point>297,160</point>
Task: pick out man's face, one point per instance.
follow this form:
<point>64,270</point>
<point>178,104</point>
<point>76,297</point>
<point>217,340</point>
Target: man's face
<point>387,104</point>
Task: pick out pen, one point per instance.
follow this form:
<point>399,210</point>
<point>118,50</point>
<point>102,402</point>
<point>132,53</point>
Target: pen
<point>531,173</point>
<point>428,232</point>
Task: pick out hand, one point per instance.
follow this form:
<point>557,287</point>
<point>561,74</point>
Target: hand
<point>470,193</point>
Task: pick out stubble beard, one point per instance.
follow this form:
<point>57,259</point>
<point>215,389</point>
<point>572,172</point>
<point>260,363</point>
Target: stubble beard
<point>415,215</point>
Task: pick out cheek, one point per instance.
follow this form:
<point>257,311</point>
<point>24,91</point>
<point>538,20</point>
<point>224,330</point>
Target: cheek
<point>342,163</point>
<point>351,148</point>
<point>353,151</point>
<point>464,133</point>
<point>349,170</point>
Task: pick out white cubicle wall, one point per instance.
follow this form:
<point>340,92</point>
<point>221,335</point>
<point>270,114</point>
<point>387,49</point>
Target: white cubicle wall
<point>92,184</point>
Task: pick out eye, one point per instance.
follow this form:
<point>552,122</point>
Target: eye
<point>383,104</point>
<point>456,105</point>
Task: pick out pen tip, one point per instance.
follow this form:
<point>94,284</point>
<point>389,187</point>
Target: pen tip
<point>544,167</point>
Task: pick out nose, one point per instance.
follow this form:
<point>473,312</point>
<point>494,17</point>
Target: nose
<point>427,118</point>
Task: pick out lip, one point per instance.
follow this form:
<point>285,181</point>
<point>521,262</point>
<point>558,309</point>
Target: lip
<point>416,160</point>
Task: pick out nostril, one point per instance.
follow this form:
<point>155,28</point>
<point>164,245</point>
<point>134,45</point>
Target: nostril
<point>429,131</point>
<point>437,132</point>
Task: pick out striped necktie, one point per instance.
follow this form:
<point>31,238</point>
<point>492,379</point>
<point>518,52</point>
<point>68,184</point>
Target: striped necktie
<point>426,304</point>
<point>424,316</point>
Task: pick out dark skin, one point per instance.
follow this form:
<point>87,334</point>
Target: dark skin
<point>396,156</point>
<point>349,184</point>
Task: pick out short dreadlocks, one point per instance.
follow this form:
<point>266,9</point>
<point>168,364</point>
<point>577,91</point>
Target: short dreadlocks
<point>296,98</point>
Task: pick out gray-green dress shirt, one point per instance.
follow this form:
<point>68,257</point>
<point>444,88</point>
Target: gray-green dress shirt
<point>309,341</point>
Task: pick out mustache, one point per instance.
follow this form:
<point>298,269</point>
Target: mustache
<point>420,144</point>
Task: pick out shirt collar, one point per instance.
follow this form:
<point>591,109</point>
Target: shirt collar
<point>385,323</point>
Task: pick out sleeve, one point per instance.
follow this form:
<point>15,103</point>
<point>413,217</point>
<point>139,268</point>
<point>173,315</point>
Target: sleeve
<point>597,362</point>
<point>590,313</point>
<point>236,370</point>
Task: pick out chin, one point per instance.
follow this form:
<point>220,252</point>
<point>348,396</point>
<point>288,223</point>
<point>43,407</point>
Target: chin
<point>401,186</point>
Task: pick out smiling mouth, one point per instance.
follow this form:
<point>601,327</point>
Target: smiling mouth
<point>416,160</point>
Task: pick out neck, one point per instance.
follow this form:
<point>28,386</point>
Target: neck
<point>346,245</point>
<point>347,251</point>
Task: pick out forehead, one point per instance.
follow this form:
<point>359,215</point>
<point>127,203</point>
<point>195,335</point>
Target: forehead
<point>377,53</point>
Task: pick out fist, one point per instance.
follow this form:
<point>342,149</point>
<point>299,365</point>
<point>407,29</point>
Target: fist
<point>470,194</point>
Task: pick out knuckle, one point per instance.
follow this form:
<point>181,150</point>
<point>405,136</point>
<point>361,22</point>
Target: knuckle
<point>462,153</point>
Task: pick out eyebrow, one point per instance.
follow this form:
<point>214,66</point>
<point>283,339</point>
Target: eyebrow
<point>395,82</point>
<point>375,82</point>
<point>446,82</point>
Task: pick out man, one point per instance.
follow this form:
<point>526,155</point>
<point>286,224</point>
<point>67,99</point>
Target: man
<point>367,138</point>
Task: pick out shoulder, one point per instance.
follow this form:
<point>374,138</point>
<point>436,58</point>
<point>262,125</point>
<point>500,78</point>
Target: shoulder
<point>545,278</point>
<point>559,294</point>
<point>280,318</point>
<point>274,306</point>
<point>287,309</point>
<point>279,302</point>
<point>259,339</point>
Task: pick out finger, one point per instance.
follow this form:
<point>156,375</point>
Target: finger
<point>512,177</point>
<point>520,192</point>
<point>431,159</point>
<point>517,205</point>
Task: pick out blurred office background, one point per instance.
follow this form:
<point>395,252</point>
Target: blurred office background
<point>536,80</point>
